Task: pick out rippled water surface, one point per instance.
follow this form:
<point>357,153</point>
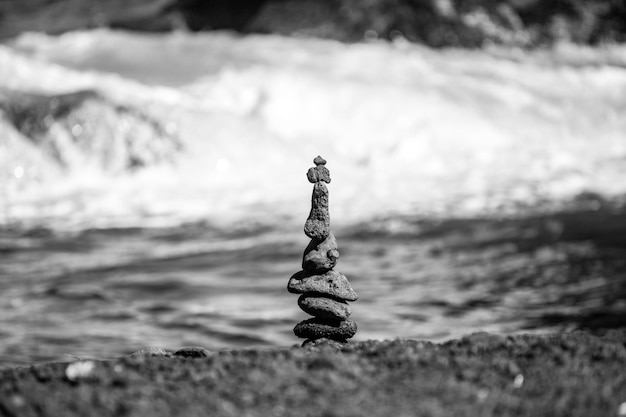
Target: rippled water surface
<point>104,293</point>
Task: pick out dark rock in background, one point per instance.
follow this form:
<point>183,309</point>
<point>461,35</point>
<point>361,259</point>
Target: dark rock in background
<point>86,126</point>
<point>438,23</point>
<point>218,14</point>
<point>58,16</point>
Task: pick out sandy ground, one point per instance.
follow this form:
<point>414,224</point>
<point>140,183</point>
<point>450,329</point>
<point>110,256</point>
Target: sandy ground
<point>574,374</point>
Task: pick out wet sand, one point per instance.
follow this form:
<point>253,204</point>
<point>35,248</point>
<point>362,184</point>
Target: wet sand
<point>572,374</point>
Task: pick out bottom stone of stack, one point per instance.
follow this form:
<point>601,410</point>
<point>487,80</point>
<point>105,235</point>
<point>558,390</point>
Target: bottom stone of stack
<point>317,328</point>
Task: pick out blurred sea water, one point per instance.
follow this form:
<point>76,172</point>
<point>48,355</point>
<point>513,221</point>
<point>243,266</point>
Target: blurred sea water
<point>198,251</point>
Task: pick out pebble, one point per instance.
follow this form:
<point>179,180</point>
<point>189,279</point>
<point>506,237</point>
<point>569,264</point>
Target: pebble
<point>79,370</point>
<point>317,328</point>
<point>321,256</point>
<point>193,352</point>
<point>318,173</point>
<point>317,226</point>
<point>151,351</point>
<point>323,307</point>
<point>324,342</point>
<point>319,160</point>
<point>332,283</point>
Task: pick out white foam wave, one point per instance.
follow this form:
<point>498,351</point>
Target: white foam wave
<point>406,129</point>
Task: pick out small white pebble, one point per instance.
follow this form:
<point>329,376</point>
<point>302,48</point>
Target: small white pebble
<point>77,130</point>
<point>18,401</point>
<point>78,370</point>
<point>18,172</point>
<point>171,128</point>
<point>151,351</point>
<point>482,394</point>
<point>278,410</point>
<point>518,381</point>
<point>621,411</point>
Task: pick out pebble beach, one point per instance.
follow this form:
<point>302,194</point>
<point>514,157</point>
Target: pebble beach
<point>555,375</point>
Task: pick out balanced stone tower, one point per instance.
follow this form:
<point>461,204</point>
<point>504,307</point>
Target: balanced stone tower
<point>324,290</point>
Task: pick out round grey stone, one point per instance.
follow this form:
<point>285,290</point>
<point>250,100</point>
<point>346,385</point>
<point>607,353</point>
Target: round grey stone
<point>332,283</point>
<point>320,256</point>
<point>324,307</point>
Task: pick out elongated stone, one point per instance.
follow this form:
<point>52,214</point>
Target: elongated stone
<point>320,306</point>
<point>317,226</point>
<point>332,283</point>
<point>317,328</point>
<point>320,256</point>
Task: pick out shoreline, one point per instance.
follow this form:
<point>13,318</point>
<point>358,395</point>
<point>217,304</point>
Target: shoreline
<point>569,374</point>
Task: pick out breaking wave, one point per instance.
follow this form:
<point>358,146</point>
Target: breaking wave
<point>406,130</point>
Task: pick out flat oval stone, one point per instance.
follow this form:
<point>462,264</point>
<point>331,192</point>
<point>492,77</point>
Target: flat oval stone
<point>332,283</point>
<point>323,307</point>
<point>317,225</point>
<point>317,328</point>
<point>320,256</point>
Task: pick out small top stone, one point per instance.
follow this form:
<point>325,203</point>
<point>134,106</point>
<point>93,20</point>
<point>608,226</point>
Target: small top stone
<point>319,161</point>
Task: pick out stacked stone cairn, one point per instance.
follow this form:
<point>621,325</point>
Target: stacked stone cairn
<point>324,290</point>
